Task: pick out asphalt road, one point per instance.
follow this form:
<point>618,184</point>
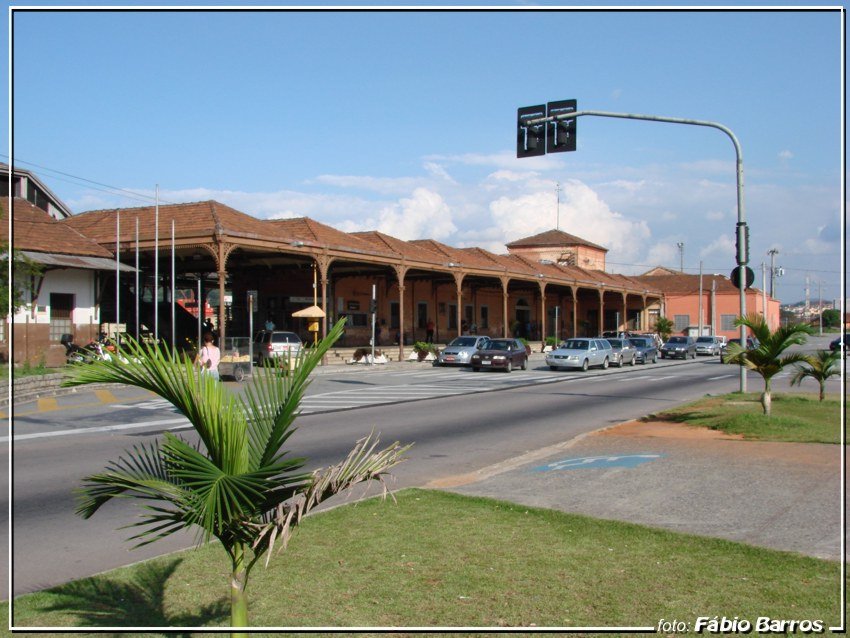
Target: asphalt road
<point>459,421</point>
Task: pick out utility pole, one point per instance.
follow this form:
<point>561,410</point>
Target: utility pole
<point>700,322</point>
<point>773,252</point>
<point>558,206</point>
<point>681,246</point>
<point>820,308</point>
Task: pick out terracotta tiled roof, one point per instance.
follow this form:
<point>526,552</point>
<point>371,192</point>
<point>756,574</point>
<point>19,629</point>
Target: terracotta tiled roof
<point>192,219</point>
<point>685,284</point>
<point>312,232</point>
<point>553,238</point>
<point>464,257</point>
<point>399,247</point>
<point>35,230</point>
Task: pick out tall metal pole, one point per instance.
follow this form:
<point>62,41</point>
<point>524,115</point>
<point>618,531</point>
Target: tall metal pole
<point>713,308</point>
<point>700,323</point>
<point>156,269</point>
<point>117,274</point>
<point>681,246</point>
<point>820,308</point>
<point>137,278</point>
<point>741,230</point>
<point>173,300</point>
<point>200,312</point>
<point>764,292</point>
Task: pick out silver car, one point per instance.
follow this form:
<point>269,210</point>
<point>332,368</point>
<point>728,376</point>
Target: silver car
<point>623,351</point>
<point>708,345</point>
<point>580,353</point>
<point>459,351</point>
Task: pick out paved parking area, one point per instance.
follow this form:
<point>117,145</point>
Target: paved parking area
<point>778,495</point>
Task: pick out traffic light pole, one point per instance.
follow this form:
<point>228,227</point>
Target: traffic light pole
<point>741,228</point>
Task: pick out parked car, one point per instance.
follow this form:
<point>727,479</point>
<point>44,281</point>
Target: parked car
<point>679,347</point>
<point>752,343</point>
<point>708,345</point>
<point>580,353</point>
<point>459,351</point>
<point>645,349</point>
<point>504,354</point>
<point>836,344</point>
<point>270,345</point>
<point>622,352</point>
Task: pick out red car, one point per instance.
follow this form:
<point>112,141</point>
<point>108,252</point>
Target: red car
<point>504,354</point>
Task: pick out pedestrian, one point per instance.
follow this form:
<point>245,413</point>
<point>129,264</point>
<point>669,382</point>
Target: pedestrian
<point>270,325</point>
<point>429,331</point>
<point>209,357</point>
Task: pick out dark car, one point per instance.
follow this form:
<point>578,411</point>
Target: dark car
<point>752,343</point>
<point>679,347</point>
<point>836,344</point>
<point>504,354</point>
<point>646,349</point>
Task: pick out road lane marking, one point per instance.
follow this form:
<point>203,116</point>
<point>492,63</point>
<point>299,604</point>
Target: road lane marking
<point>102,428</point>
<point>722,376</point>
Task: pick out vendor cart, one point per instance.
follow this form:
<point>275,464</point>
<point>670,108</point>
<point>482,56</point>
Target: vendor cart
<point>235,358</point>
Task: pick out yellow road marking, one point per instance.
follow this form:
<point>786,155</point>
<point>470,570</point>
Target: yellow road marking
<point>105,396</point>
<point>47,404</point>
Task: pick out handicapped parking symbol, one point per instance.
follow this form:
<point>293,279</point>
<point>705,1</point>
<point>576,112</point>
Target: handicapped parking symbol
<point>592,462</point>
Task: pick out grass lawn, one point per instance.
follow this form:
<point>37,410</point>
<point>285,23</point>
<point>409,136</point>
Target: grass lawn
<point>795,417</point>
<point>441,559</point>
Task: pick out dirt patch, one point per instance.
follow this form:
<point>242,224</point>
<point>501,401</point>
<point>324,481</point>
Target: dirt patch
<point>667,430</point>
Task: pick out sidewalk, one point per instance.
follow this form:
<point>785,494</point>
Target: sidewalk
<point>783,496</point>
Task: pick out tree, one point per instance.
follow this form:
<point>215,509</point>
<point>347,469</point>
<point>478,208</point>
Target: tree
<point>664,327</point>
<point>831,318</point>
<point>821,366</point>
<point>24,270</point>
<point>766,359</point>
<point>237,483</point>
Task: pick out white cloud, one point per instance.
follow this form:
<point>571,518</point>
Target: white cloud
<point>723,246</point>
<point>714,215</point>
<point>423,215</point>
<point>663,254</point>
<point>785,155</point>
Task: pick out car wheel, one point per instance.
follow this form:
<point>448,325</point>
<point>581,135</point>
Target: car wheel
<point>524,365</point>
<point>584,366</point>
<point>655,358</point>
<point>605,364</point>
<point>634,360</point>
<point>509,367</point>
<point>238,373</point>
<point>620,361</point>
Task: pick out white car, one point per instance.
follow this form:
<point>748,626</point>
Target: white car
<point>580,353</point>
<point>459,351</point>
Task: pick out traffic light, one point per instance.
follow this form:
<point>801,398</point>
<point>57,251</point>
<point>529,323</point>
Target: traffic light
<point>742,243</point>
<point>373,306</point>
<point>561,136</point>
<point>530,140</point>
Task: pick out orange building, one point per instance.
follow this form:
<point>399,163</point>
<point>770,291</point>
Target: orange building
<point>720,302</point>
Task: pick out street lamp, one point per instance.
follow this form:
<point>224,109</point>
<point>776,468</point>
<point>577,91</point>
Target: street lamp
<point>681,246</point>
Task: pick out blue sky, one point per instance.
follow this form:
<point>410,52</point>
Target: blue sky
<point>405,122</point>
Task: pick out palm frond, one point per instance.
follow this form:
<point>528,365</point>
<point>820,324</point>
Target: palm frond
<point>363,464</point>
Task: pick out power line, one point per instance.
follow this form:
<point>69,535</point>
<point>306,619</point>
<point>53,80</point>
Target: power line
<point>113,190</point>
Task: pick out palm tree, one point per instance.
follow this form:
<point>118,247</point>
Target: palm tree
<point>821,366</point>
<point>766,359</point>
<point>664,327</point>
<point>237,483</point>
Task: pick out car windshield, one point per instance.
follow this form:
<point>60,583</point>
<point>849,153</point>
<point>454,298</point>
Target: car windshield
<point>639,343</point>
<point>464,342</point>
<point>616,343</point>
<point>677,340</point>
<point>575,344</point>
<point>498,345</point>
<point>705,340</point>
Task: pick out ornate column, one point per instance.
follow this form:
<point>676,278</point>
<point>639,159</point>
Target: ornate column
<point>601,310</point>
<point>542,285</point>
<point>574,291</point>
<point>222,253</point>
<point>400,272</point>
<point>458,285</point>
<point>323,263</point>
<point>644,319</point>
<point>505,280</point>
<point>625,311</point>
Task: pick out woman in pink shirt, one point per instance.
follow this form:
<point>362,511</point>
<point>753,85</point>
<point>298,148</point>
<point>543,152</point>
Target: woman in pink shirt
<point>209,357</point>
